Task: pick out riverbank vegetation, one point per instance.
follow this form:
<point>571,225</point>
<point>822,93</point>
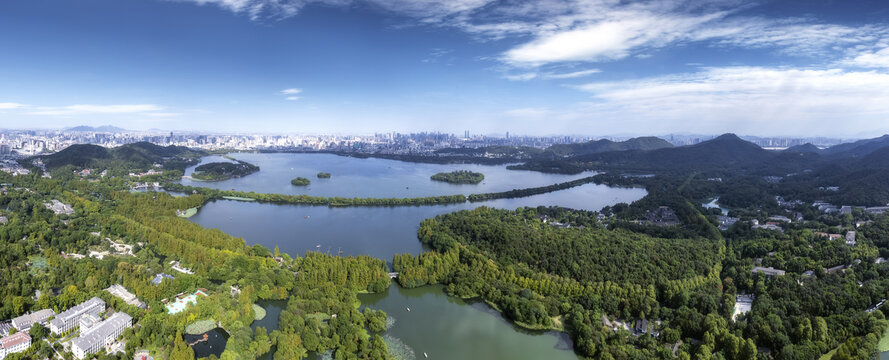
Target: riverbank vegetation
<point>459,177</point>
<point>212,194</point>
<point>517,193</point>
<point>218,171</point>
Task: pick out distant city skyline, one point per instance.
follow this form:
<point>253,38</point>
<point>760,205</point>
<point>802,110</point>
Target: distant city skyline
<point>543,67</point>
<point>106,128</point>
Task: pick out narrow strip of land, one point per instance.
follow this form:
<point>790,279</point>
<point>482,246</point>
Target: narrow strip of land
<point>213,194</point>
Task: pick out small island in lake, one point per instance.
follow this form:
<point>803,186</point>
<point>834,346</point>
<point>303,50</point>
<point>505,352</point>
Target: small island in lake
<point>323,175</point>
<point>300,181</point>
<point>218,171</point>
<point>459,177</point>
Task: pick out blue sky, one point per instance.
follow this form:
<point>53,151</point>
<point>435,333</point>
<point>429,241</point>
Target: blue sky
<point>797,68</point>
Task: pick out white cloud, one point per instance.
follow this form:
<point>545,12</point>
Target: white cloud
<point>97,109</point>
<point>10,105</point>
<point>429,10</point>
<point>435,55</point>
<point>558,31</point>
<point>877,59</point>
<point>605,40</point>
<point>792,36</point>
<point>571,75</point>
<point>599,31</point>
<point>291,91</point>
<point>260,9</point>
<point>526,76</point>
<point>752,100</point>
<point>521,77</point>
<point>292,98</point>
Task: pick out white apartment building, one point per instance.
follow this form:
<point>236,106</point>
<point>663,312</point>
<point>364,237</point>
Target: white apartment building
<point>17,342</point>
<point>23,323</point>
<point>70,318</point>
<point>101,335</point>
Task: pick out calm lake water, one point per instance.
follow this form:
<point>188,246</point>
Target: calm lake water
<point>376,231</point>
<point>354,177</point>
<point>445,327</point>
<point>442,326</point>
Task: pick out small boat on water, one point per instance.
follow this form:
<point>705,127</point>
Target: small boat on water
<point>306,217</point>
<point>408,309</point>
<point>427,356</point>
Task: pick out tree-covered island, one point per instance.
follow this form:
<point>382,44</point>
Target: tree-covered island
<point>459,177</point>
<point>218,171</point>
<point>300,181</point>
<point>323,175</point>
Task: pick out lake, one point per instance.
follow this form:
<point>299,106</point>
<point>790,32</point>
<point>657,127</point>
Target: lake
<point>376,231</point>
<point>445,327</point>
<point>355,177</point>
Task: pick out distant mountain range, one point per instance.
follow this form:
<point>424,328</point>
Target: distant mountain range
<point>104,128</point>
<point>726,152</point>
<point>604,145</point>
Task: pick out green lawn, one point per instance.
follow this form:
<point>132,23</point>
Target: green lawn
<point>189,213</point>
<point>883,345</point>
<point>238,198</point>
<point>828,355</point>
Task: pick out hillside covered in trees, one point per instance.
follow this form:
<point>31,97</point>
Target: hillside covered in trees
<point>217,171</point>
<point>140,155</point>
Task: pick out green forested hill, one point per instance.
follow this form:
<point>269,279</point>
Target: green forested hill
<point>136,155</point>
<point>604,145</point>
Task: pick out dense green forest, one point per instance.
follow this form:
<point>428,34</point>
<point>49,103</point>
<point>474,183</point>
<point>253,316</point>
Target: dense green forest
<point>317,286</point>
<point>585,254</point>
<point>217,171</point>
<point>459,177</point>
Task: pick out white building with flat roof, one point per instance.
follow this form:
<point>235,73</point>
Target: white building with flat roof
<point>14,343</point>
<point>101,335</point>
<point>128,297</point>
<point>23,323</point>
<point>70,318</point>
